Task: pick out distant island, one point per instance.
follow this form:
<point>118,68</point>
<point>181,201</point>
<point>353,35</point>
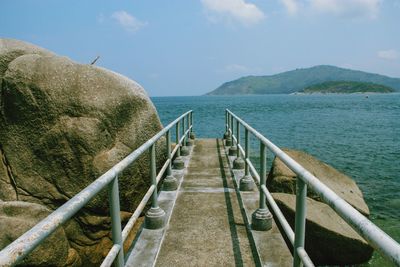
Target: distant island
<point>345,87</point>
<point>296,80</point>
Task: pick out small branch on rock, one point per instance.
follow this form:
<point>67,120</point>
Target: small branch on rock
<point>94,61</point>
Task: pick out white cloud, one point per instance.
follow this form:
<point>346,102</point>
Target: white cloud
<point>347,8</point>
<point>340,8</point>
<point>292,6</point>
<point>127,21</point>
<point>390,54</point>
<point>239,10</point>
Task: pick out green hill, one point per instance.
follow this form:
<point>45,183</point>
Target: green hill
<point>343,87</point>
<point>296,80</point>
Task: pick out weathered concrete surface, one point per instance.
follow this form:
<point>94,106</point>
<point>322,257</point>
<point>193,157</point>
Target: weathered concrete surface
<point>145,248</point>
<point>271,248</point>
<point>329,239</point>
<point>206,226</point>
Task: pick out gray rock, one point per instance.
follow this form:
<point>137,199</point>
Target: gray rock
<point>329,239</point>
<point>63,124</point>
<point>282,179</point>
<point>17,217</point>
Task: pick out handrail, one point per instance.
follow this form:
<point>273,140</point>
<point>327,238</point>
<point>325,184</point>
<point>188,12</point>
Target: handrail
<point>22,246</point>
<point>377,238</point>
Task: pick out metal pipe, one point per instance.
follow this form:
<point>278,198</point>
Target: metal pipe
<point>232,130</point>
<point>300,220</point>
<point>364,227</point>
<point>168,137</point>
<point>132,220</point>
<point>152,151</point>
<point>183,131</point>
<point>188,127</point>
<point>162,171</point>
<point>247,151</point>
<point>113,194</point>
<point>111,255</point>
<point>263,173</point>
<point>22,246</point>
<point>237,139</point>
<point>240,148</point>
<point>279,215</point>
<point>178,153</point>
<point>226,121</point>
<point>191,121</point>
<point>304,257</point>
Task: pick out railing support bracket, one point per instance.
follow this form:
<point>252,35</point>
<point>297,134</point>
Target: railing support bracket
<point>179,164</point>
<point>185,151</point>
<point>170,183</point>
<point>154,218</point>
<point>261,220</point>
<point>246,183</point>
<point>232,151</point>
<point>238,163</point>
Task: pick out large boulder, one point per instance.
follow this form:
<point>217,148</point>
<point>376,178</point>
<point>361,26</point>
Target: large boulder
<point>329,239</point>
<point>17,217</point>
<point>63,124</point>
<point>282,179</point>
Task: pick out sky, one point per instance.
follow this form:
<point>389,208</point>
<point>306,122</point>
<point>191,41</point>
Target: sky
<point>190,47</point>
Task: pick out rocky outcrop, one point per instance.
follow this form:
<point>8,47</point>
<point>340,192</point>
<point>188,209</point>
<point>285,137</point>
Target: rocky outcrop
<point>17,217</point>
<point>329,240</point>
<point>63,124</point>
<point>282,179</point>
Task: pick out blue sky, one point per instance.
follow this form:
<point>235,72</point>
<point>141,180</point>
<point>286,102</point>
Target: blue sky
<point>191,47</point>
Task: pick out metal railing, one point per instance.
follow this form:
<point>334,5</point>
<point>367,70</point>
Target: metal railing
<point>378,239</point>
<point>21,247</point>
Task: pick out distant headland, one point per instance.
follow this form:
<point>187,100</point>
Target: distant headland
<point>314,78</point>
<point>344,87</point>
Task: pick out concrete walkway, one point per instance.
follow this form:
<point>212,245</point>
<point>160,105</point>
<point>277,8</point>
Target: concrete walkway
<point>206,226</point>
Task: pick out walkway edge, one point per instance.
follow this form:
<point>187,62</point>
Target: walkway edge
<point>146,247</point>
<point>269,247</point>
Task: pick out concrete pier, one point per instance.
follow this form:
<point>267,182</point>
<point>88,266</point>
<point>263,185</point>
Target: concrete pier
<point>208,222</point>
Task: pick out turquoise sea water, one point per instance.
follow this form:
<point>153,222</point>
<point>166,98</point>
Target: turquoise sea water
<point>359,136</point>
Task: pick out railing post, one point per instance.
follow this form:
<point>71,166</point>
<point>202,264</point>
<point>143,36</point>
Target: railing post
<point>192,135</point>
<point>233,148</point>
<point>300,220</point>
<point>155,216</point>
<point>226,134</point>
<point>262,217</point>
<point>184,149</point>
<point>113,193</point>
<point>178,162</point>
<point>228,140</point>
<point>189,141</point>
<point>170,183</point>
<point>238,163</point>
<point>246,182</point>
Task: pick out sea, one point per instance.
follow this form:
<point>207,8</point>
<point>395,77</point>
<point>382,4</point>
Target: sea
<point>358,134</point>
